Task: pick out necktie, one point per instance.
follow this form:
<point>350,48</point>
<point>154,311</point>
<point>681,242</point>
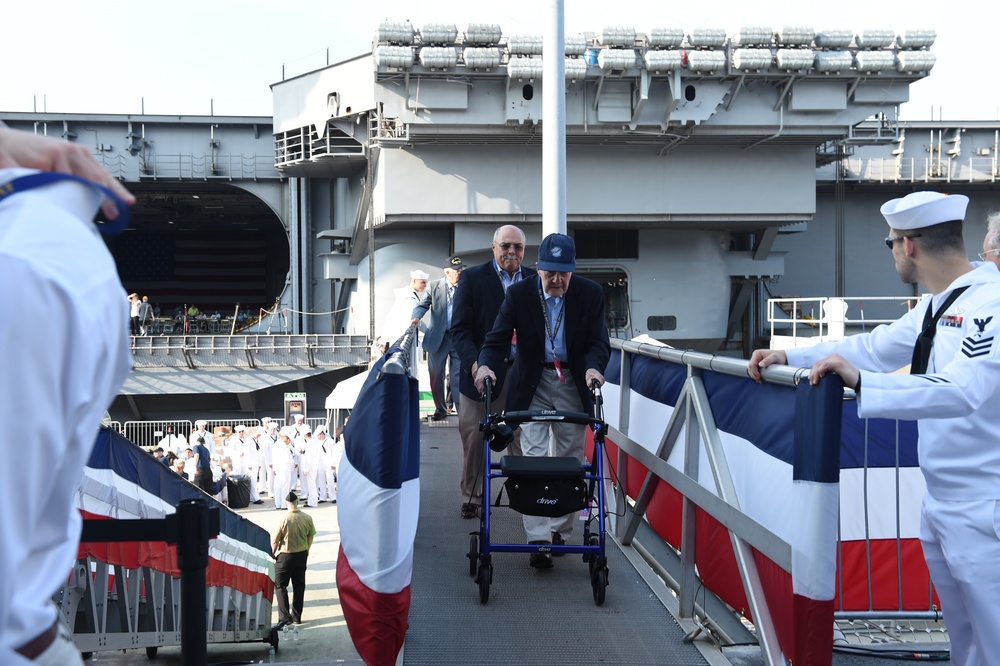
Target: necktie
<point>925,341</point>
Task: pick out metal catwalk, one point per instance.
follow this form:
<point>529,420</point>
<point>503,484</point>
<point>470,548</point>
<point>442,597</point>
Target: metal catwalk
<point>533,616</point>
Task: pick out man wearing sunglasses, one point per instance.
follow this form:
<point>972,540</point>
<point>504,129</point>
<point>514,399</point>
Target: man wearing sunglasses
<point>952,391</point>
<point>477,302</point>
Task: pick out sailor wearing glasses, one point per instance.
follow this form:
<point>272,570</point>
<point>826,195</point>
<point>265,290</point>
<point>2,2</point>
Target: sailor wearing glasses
<point>952,391</point>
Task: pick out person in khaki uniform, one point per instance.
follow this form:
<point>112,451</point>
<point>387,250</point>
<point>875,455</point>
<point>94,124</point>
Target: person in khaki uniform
<point>290,543</point>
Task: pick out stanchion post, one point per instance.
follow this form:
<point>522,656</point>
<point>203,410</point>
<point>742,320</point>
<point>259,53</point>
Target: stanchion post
<point>191,528</point>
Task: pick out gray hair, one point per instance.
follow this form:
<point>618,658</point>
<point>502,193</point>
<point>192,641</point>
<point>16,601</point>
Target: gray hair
<point>993,230</point>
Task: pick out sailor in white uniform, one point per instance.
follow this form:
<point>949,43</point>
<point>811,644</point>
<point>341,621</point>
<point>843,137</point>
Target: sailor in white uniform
<point>202,431</point>
<point>252,459</point>
<point>237,450</point>
<point>953,392</point>
<point>283,462</point>
<point>326,447</point>
<point>59,377</point>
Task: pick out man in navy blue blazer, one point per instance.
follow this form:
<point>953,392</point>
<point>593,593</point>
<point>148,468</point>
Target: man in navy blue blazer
<point>477,301</point>
<point>562,349</point>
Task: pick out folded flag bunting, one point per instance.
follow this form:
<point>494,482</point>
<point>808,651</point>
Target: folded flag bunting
<point>379,498</point>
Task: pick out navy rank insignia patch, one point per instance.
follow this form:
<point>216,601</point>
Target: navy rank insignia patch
<point>975,344</point>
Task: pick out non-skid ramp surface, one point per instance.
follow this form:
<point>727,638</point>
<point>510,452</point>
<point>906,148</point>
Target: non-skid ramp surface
<point>532,617</point>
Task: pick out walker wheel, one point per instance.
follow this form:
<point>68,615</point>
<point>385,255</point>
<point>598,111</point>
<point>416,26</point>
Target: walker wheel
<point>484,579</point>
<point>599,581</point>
<point>473,554</point>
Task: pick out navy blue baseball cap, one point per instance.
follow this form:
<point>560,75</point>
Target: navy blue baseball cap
<point>557,253</point>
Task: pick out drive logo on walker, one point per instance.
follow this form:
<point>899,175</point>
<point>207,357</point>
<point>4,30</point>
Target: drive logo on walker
<point>550,502</point>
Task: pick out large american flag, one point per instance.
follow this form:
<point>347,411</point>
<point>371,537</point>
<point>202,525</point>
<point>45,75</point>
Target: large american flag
<point>207,270</point>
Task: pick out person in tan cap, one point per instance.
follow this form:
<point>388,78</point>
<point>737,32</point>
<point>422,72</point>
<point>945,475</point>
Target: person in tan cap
<point>952,391</point>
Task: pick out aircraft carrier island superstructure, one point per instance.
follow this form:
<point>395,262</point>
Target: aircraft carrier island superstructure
<point>705,172</point>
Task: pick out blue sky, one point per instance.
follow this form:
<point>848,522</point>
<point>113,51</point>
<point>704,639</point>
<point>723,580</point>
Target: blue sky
<point>119,56</point>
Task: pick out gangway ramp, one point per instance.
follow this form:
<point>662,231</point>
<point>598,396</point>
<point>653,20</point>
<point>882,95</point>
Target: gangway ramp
<point>533,616</point>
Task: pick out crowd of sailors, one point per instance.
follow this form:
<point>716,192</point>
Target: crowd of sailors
<point>276,459</point>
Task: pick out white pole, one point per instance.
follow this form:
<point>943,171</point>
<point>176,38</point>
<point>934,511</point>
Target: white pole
<point>554,122</point>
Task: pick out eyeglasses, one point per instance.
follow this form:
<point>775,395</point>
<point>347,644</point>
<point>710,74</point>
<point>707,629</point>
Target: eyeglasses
<point>518,247</point>
<point>984,255</point>
<point>890,240</point>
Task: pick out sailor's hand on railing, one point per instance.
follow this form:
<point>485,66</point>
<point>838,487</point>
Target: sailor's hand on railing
<point>837,364</point>
<point>762,358</point>
<point>593,376</point>
<point>481,374</point>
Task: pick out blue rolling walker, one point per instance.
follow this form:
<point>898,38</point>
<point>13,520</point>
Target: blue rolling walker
<point>543,486</point>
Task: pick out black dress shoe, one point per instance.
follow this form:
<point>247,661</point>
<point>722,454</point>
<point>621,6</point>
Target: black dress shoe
<point>540,560</point>
<point>439,416</point>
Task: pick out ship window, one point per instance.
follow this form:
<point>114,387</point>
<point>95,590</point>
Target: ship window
<point>527,92</point>
<point>607,243</point>
<point>661,323</point>
<point>689,93</point>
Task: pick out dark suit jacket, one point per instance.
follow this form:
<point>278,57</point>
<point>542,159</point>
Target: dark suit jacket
<point>587,344</point>
<point>435,300</point>
<point>477,302</point>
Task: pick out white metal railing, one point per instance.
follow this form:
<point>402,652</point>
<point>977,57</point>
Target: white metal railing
<point>803,321</point>
<point>250,351</point>
<point>150,434</point>
<point>186,166</point>
<point>900,169</point>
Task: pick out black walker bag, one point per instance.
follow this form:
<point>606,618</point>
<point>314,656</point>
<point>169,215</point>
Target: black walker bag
<point>542,486</point>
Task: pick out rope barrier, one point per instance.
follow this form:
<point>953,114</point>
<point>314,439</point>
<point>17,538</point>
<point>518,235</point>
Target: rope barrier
<point>286,311</point>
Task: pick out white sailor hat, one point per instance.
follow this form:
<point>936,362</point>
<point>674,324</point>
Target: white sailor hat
<point>201,422</point>
<point>299,416</point>
<point>419,275</point>
<point>239,428</point>
<point>273,425</point>
<point>261,430</point>
<point>305,429</point>
<point>320,428</point>
<point>923,209</point>
<point>266,419</point>
<point>289,431</point>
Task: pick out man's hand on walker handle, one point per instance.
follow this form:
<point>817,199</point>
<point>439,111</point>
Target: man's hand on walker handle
<point>482,372</point>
